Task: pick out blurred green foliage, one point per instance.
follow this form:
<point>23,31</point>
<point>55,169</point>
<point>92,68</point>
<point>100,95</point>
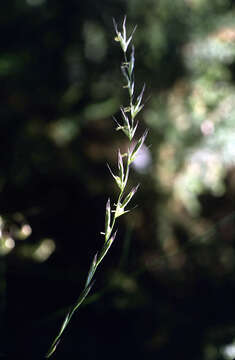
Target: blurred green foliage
<point>167,288</point>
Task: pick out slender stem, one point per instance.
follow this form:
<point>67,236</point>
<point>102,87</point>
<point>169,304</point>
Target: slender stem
<point>111,215</point>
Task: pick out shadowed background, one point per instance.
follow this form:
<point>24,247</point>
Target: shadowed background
<point>167,287</point>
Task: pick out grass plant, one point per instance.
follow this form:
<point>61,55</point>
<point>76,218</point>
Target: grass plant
<point>113,211</point>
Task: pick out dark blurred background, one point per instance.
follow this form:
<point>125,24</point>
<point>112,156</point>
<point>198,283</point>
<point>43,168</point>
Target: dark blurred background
<point>166,290</point>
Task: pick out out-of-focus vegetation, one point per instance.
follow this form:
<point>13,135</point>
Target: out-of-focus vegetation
<point>167,287</point>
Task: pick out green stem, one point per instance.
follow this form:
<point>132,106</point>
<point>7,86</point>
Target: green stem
<point>109,236</point>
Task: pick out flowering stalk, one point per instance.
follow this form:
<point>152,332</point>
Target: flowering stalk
<point>112,212</point>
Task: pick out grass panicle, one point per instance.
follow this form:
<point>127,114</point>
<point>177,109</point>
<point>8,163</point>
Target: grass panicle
<point>117,209</point>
